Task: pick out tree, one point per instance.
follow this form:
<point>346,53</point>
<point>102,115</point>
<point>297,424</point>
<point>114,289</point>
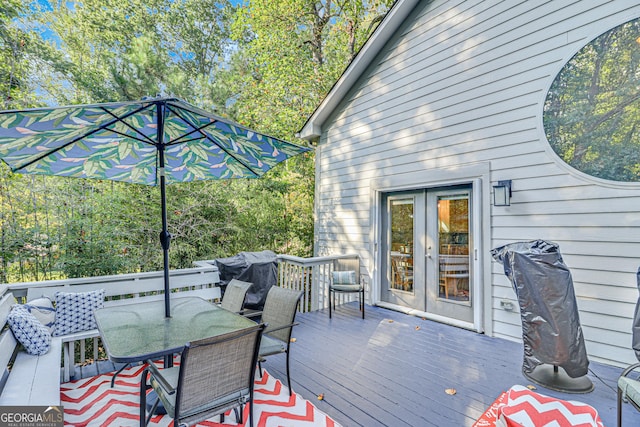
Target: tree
<point>14,57</point>
<point>593,107</point>
<point>263,64</point>
<point>290,53</point>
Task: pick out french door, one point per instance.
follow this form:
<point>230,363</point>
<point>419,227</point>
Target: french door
<point>402,261</point>
<point>426,259</point>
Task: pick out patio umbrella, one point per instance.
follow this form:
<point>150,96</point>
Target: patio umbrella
<point>155,141</point>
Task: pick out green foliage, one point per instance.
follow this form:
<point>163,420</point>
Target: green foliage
<point>592,109</point>
<point>15,44</point>
<point>108,229</point>
<point>265,64</point>
<point>28,228</point>
<point>290,54</point>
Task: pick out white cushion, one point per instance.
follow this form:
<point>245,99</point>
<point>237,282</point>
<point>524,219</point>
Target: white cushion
<point>33,335</point>
<point>42,309</point>
<point>74,311</point>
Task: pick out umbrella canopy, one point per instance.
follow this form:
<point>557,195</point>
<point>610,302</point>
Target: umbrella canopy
<point>154,142</point>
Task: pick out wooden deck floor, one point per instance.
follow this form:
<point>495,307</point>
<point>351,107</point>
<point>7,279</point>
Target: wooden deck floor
<point>392,370</point>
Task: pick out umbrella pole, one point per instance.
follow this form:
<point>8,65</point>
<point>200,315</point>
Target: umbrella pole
<point>165,237</point>
<point>165,240</point>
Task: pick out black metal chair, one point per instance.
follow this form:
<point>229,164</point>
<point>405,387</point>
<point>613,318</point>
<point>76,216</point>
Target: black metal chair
<point>345,278</point>
<point>215,375</point>
<point>629,387</point>
<point>629,390</point>
<point>279,313</point>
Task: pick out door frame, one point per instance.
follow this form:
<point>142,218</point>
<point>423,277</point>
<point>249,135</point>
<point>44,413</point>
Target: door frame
<point>478,175</point>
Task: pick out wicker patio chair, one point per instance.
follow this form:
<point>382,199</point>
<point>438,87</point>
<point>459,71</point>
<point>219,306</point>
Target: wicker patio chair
<point>345,278</point>
<point>215,375</point>
<point>235,295</point>
<point>279,314</point>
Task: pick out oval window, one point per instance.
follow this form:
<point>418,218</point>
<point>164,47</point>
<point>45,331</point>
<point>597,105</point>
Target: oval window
<point>592,111</point>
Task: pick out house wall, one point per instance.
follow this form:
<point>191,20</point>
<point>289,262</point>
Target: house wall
<point>463,83</point>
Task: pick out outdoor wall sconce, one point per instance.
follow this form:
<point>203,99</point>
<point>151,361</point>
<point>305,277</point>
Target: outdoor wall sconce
<point>502,193</point>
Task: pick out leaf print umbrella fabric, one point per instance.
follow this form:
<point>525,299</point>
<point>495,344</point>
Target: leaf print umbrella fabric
<point>154,142</point>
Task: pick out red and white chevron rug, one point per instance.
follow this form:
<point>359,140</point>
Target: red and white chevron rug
<point>521,407</point>
<point>92,402</point>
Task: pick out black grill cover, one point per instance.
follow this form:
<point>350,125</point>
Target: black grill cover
<point>551,328</point>
<point>259,268</point>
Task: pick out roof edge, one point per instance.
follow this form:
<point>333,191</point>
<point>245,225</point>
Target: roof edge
<point>396,16</point>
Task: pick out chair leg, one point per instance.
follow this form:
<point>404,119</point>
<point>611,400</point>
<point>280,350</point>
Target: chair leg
<point>251,408</point>
<point>239,414</point>
<point>288,376</point>
<point>362,302</point>
<point>113,378</point>
<point>143,398</point>
<point>619,407</point>
<point>330,294</point>
<point>144,418</point>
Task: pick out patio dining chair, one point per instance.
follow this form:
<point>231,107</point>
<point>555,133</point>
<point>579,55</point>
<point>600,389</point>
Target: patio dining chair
<point>235,295</point>
<point>628,390</point>
<point>279,313</point>
<point>215,375</point>
<point>345,278</point>
<point>454,274</point>
<point>629,380</point>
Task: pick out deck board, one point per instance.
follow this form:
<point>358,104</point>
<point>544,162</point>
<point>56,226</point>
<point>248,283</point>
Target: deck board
<point>392,369</point>
<point>384,372</point>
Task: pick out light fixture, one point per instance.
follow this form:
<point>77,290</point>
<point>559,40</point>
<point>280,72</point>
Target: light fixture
<point>502,193</point>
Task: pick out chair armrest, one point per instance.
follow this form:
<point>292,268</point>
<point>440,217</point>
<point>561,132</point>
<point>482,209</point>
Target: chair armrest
<point>630,369</point>
<point>250,314</point>
<point>269,330</point>
<point>161,380</point>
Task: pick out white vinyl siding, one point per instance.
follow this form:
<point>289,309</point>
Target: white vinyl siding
<point>463,82</point>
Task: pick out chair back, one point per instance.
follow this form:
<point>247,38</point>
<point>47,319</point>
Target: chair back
<point>217,372</point>
<point>235,295</point>
<point>348,264</point>
<point>279,311</point>
<point>456,266</point>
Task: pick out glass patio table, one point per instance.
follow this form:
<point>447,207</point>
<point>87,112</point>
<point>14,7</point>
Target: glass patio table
<point>139,332</point>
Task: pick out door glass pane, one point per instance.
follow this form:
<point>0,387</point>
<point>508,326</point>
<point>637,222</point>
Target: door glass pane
<point>401,254</point>
<point>453,238</point>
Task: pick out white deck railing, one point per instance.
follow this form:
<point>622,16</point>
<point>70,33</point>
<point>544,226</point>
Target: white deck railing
<point>119,289</point>
<point>311,275</point>
<point>122,286</point>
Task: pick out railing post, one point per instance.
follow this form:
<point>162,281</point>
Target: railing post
<point>314,297</point>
